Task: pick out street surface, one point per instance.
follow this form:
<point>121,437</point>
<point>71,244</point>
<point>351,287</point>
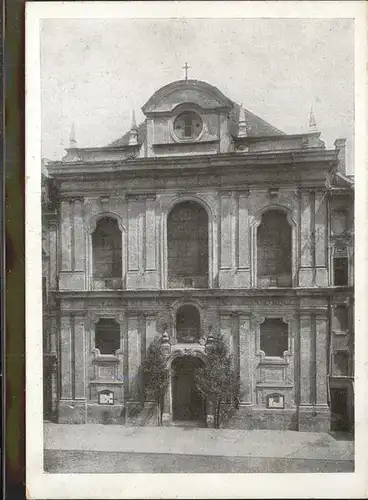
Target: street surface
<point>97,448</point>
<point>59,461</point>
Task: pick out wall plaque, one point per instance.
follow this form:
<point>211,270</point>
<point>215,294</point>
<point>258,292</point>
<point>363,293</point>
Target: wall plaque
<point>106,397</point>
<point>275,401</point>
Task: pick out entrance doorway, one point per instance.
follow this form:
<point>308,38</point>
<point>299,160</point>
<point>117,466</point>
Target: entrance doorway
<point>188,403</point>
<point>339,410</point>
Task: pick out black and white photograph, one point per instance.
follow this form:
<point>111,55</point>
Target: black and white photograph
<point>195,258</point>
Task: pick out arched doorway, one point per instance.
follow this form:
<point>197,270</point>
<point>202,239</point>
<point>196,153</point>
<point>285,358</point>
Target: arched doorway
<point>187,246</point>
<point>188,404</point>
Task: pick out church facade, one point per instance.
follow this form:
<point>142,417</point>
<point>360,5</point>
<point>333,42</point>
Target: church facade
<point>204,219</point>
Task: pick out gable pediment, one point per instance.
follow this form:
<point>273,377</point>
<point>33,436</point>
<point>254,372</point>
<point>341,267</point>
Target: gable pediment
<point>193,92</point>
<point>341,181</point>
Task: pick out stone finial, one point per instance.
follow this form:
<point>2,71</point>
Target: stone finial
<point>133,134</point>
<point>72,140</point>
<point>134,124</point>
<point>242,128</point>
<point>312,124</point>
<point>340,146</point>
<point>165,341</point>
<point>210,338</point>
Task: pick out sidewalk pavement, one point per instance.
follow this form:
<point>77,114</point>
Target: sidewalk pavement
<point>196,441</point>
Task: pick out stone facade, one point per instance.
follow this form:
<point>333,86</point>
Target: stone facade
<point>237,173</point>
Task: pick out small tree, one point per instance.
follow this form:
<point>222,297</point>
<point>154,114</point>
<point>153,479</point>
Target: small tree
<point>155,375</point>
<point>217,380</point>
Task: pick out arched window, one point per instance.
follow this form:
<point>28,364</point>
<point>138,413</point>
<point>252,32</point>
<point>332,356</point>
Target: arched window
<point>187,242</point>
<point>107,336</point>
<point>107,254</point>
<point>274,337</point>
<point>188,324</point>
<point>274,254</point>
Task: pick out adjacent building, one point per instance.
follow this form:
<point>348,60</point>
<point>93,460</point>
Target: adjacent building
<point>204,218</point>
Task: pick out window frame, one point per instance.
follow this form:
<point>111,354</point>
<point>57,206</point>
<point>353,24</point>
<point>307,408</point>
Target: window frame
<point>177,116</point>
<point>99,354</point>
<point>287,318</point>
<point>268,356</point>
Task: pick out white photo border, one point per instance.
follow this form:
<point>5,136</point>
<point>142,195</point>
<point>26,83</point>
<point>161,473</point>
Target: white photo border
<point>74,486</point>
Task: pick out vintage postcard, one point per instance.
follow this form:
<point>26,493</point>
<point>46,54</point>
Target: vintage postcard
<point>195,246</point>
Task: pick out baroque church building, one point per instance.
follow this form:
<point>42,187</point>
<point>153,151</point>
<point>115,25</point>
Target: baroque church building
<point>204,219</point>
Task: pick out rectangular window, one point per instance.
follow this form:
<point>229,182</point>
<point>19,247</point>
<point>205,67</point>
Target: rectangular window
<point>107,336</point>
<point>274,337</point>
<point>340,318</point>
<point>340,270</point>
<point>339,221</point>
<point>341,363</point>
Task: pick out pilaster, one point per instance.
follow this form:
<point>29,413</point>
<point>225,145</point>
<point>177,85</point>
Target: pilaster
<point>53,264</point>
<point>243,232</point>
<point>79,234</point>
<point>150,234</point>
<point>66,236</point>
<point>306,239</point>
<point>245,361</point>
<point>72,273</point>
<point>234,343</point>
<point>66,357</point>
<point>151,331</point>
<point>321,359</point>
<point>133,235</point>
<point>320,248</point>
<point>134,353</point>
<point>225,231</point>
<point>79,358</point>
<point>226,322</point>
<point>305,350</point>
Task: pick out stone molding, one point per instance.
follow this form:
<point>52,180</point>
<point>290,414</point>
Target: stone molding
<point>255,221</point>
<point>288,319</point>
<point>212,233</point>
<point>140,196</point>
<point>92,319</point>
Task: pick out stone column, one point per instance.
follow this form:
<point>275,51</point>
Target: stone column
<point>133,235</point>
<point>321,359</point>
<point>306,243</point>
<point>66,240</point>
<point>305,349</point>
<point>65,357</point>
<point>150,232</point>
<point>120,353</point>
<point>134,350</point>
<point>167,415</point>
<point>226,328</point>
<point>150,329</point>
<point>53,269</point>
<point>234,343</point>
<point>245,359</point>
<point>234,231</point>
<point>225,232</point>
<point>79,359</point>
<point>79,243</point>
<point>53,350</point>
<point>320,221</point>
<point>306,409</point>
<point>243,232</point>
<point>141,235</point>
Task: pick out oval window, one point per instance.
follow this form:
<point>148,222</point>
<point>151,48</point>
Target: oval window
<point>188,125</point>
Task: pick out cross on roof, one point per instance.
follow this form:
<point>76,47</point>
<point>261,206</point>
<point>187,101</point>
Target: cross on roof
<point>186,67</point>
